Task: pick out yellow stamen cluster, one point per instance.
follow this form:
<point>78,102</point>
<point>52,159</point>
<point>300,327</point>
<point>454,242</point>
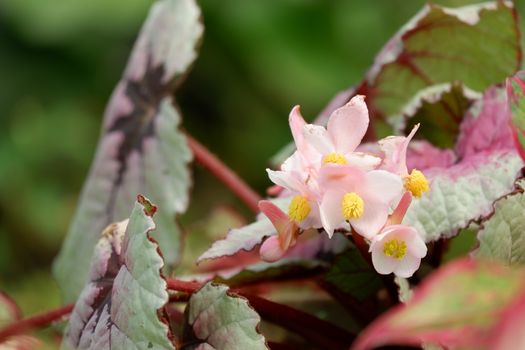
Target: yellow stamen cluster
<point>416,183</point>
<point>299,208</point>
<point>335,158</point>
<point>352,206</point>
<point>395,249</point>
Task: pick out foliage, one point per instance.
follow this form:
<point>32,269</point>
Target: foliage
<point>353,234</point>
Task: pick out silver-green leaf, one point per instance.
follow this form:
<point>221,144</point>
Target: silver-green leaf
<point>222,321</point>
<point>121,305</point>
<point>141,149</point>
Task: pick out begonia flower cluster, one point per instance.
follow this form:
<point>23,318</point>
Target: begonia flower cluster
<point>334,187</point>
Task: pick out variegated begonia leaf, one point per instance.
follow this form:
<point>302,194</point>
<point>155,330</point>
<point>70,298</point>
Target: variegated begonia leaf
<point>141,149</point>
<point>217,320</point>
<point>463,193</point>
<point>9,312</point>
<point>516,96</point>
<point>245,238</point>
<point>487,168</point>
<point>502,237</point>
<point>439,110</point>
<point>459,306</point>
<point>121,307</point>
<point>478,45</point>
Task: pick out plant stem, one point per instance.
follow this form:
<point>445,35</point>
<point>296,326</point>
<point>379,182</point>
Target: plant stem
<point>39,320</point>
<point>325,334</point>
<point>222,172</point>
<point>320,332</point>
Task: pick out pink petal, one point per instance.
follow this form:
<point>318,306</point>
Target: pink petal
<point>347,125</point>
<point>373,219</point>
<point>383,264</point>
<point>391,147</point>
<point>317,137</point>
<point>363,161</point>
<point>271,250</point>
<point>344,177</point>
<point>297,123</point>
<point>407,266</point>
<point>395,149</point>
<point>399,212</point>
<point>385,184</point>
<point>331,212</point>
<point>284,227</point>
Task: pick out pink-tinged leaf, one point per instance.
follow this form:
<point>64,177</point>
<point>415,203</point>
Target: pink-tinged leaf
<point>516,99</point>
<point>217,320</point>
<point>422,155</point>
<point>141,149</point>
<point>458,306</point>
<point>486,170</point>
<point>478,45</point>
<point>121,307</point>
<point>509,333</point>
<point>463,193</point>
<point>485,127</point>
<point>9,312</point>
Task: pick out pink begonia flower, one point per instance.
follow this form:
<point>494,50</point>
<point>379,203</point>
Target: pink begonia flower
<point>307,156</point>
<point>345,129</point>
<point>362,198</point>
<point>304,207</point>
<point>274,247</point>
<point>395,150</point>
<point>398,249</point>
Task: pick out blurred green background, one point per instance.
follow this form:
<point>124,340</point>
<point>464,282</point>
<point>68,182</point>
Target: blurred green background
<point>59,61</point>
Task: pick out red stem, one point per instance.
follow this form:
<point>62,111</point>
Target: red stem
<point>320,332</point>
<point>35,321</point>
<point>209,161</point>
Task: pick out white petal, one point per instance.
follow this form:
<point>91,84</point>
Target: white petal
<point>313,219</point>
<point>416,246</point>
<point>407,266</point>
<point>331,212</point>
<point>317,137</point>
<point>382,263</point>
<point>363,161</point>
<point>347,125</point>
<point>285,179</point>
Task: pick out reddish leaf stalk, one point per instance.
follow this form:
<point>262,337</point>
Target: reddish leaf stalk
<point>320,332</point>
<point>227,176</point>
<point>39,320</point>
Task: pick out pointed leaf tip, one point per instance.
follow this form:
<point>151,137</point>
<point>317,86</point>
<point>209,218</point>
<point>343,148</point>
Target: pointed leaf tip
<point>149,208</point>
